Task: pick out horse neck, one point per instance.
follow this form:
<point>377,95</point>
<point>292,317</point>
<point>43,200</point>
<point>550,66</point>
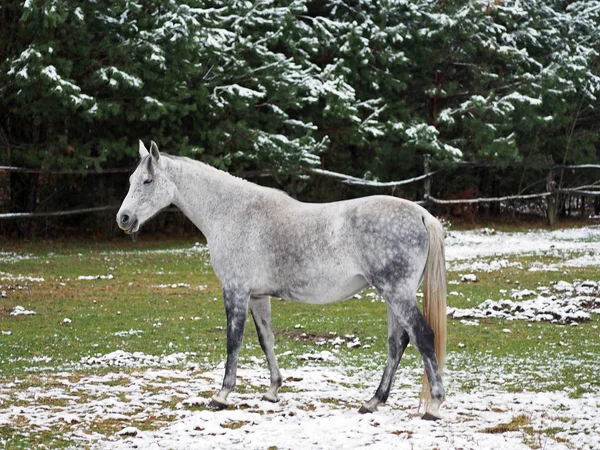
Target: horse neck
<point>207,196</point>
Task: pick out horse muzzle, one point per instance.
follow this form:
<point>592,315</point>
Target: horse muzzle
<point>127,222</point>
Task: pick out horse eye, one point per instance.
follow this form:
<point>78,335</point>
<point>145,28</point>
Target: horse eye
<point>148,181</point>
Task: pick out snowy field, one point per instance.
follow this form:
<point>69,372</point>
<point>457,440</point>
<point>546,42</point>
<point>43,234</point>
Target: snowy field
<point>320,413</point>
<point>319,402</point>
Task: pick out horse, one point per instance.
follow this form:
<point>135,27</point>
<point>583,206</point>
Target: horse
<point>264,244</point>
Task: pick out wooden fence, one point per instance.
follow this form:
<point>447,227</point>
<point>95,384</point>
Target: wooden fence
<point>550,194</point>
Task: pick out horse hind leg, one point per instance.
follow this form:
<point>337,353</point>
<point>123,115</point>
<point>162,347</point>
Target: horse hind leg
<point>421,335</point>
<point>260,307</point>
<point>402,307</point>
<point>397,343</point>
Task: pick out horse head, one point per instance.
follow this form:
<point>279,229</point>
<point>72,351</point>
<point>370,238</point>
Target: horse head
<point>151,188</point>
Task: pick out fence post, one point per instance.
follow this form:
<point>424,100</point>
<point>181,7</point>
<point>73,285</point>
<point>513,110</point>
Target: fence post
<point>426,169</point>
<point>551,202</point>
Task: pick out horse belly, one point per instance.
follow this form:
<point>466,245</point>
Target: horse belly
<point>328,291</point>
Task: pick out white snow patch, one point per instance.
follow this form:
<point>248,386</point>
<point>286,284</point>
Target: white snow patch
<point>131,332</point>
<point>477,244</point>
<point>136,359</point>
<point>13,257</point>
<point>20,311</point>
<point>152,100</point>
<point>320,356</point>
<point>470,323</point>
<point>468,278</point>
<point>4,276</point>
<point>571,303</point>
<point>494,265</point>
<point>172,286</point>
<point>128,431</point>
<point>96,277</point>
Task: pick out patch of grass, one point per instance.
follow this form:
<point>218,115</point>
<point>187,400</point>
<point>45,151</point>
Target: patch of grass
<point>13,437</point>
<point>538,439</point>
<point>20,437</point>
<point>197,407</point>
<point>111,426</point>
<point>101,309</point>
<point>234,425</point>
<point>407,434</point>
<point>516,424</point>
<point>338,402</point>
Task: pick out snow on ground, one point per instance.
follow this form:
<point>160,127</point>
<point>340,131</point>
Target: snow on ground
<point>564,303</point>
<point>96,277</point>
<point>477,244</point>
<point>318,411</point>
<point>12,257</point>
<point>20,311</point>
<point>10,282</point>
<point>194,250</point>
<point>127,359</point>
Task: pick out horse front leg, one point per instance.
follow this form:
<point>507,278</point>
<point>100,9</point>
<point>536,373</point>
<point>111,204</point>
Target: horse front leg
<point>260,307</point>
<point>236,309</point>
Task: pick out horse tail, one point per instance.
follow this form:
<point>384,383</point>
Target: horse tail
<point>434,295</point>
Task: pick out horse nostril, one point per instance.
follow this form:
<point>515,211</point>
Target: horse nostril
<point>124,219</point>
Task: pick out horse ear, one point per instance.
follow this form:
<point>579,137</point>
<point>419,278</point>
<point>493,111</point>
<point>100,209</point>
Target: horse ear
<point>154,151</point>
<point>143,150</point>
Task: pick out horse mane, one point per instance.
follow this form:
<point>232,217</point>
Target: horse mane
<point>214,170</point>
<point>205,166</point>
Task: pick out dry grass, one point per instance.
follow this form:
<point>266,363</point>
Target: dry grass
<point>516,424</point>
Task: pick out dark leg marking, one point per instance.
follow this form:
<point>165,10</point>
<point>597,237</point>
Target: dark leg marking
<point>422,337</point>
<point>402,309</point>
<point>236,309</point>
<point>397,343</point>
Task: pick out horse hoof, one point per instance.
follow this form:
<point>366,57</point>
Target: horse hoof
<point>428,416</point>
<point>366,410</point>
<point>217,405</point>
<point>270,398</point>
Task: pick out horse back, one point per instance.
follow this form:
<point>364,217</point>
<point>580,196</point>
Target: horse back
<point>298,250</point>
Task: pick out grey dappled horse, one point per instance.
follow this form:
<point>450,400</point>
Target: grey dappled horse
<point>264,243</point>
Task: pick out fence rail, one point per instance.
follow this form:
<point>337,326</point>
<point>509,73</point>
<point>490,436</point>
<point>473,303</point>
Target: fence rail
<point>591,190</point>
<point>347,179</point>
<point>64,171</point>
<point>462,201</point>
<point>34,215</point>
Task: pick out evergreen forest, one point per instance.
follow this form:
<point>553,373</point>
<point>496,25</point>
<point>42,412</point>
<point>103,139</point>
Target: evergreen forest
<point>278,87</point>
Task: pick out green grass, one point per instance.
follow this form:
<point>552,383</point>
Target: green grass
<point>532,357</point>
<point>99,309</point>
<point>571,352</point>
